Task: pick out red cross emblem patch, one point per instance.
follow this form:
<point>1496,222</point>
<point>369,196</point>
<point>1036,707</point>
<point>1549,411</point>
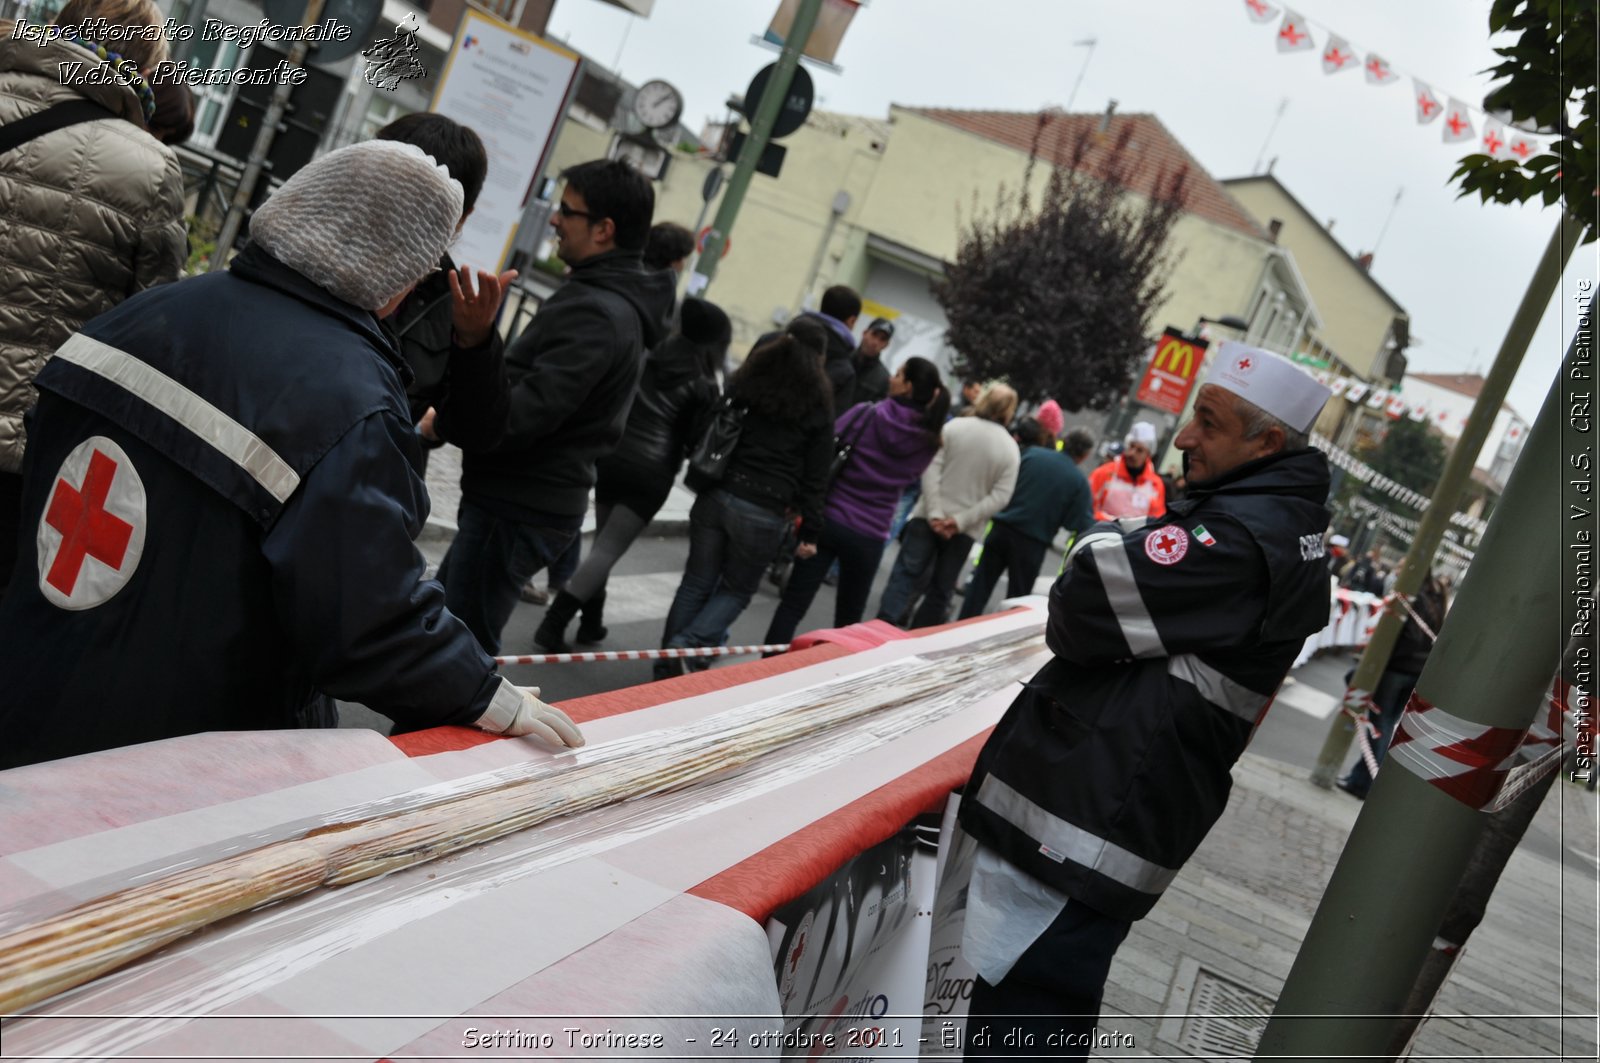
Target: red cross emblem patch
<point>91,535</point>
<point>1167,545</point>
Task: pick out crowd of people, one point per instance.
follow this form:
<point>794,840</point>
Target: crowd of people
<point>174,513</point>
<point>210,491</point>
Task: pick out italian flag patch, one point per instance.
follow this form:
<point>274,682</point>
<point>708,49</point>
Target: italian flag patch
<point>1205,537</point>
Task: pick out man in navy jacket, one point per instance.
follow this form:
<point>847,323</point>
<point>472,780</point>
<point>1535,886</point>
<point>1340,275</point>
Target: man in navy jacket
<point>219,501</point>
<point>1170,636</point>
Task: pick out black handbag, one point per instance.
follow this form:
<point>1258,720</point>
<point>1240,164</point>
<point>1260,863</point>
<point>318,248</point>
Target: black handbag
<point>709,461</point>
<point>844,447</point>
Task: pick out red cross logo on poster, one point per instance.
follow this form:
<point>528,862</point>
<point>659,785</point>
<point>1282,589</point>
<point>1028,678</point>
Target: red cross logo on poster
<point>1167,545</point>
<point>91,535</point>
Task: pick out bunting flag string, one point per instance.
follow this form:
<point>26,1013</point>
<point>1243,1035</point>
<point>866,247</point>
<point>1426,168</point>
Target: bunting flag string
<point>1399,492</point>
<point>1405,530</point>
<point>1448,420</point>
<point>1339,54</point>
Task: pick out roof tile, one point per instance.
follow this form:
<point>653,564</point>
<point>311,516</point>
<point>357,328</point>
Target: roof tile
<point>1159,153</point>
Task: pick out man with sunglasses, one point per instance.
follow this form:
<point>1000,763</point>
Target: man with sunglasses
<point>572,376</point>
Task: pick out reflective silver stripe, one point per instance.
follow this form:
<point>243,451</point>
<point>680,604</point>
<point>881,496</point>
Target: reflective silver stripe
<point>1132,524</point>
<point>1061,840</point>
<point>1116,576</point>
<point>1217,688</point>
<point>230,438</point>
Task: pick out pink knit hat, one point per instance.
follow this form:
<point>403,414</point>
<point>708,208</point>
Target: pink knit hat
<point>1049,417</point>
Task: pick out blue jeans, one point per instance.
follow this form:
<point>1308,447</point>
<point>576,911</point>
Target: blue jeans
<point>489,561</point>
<point>731,542</point>
<point>927,568</point>
<point>1394,690</point>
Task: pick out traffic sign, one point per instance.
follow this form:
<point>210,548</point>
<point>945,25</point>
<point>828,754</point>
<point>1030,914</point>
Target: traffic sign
<point>796,106</point>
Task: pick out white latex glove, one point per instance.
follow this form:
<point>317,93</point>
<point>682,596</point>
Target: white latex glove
<point>530,717</point>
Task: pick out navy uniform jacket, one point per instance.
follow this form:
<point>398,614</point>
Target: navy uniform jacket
<point>1170,637</point>
<point>218,514</point>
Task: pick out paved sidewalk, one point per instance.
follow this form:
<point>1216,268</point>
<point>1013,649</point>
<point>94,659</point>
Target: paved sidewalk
<point>444,489</point>
<point>1223,938</point>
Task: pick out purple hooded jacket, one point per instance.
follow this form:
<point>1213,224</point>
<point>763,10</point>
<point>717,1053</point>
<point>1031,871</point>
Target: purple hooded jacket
<point>891,451</point>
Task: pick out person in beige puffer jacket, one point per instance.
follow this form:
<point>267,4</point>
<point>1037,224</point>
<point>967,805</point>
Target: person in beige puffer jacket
<point>89,214</point>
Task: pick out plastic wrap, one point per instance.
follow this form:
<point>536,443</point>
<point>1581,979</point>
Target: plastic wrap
<point>604,795</point>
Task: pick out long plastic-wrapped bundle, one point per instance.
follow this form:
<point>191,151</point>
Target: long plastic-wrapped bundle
<point>40,960</point>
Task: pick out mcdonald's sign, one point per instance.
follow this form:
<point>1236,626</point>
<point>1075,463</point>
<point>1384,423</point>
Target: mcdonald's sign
<point>1173,367</point>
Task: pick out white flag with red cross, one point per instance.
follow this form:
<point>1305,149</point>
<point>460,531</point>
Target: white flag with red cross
<point>1494,140</point>
<point>1457,123</point>
<point>1260,10</point>
<point>1418,411</point>
<point>1337,386</point>
<point>1378,70</point>
<point>91,534</point>
<point>1293,34</point>
<point>1397,407</point>
<point>1356,391</point>
<point>1377,400</point>
<point>1522,149</point>
<point>1338,56</point>
<point>1428,106</point>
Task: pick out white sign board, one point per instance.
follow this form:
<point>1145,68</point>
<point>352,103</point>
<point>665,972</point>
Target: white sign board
<point>510,87</point>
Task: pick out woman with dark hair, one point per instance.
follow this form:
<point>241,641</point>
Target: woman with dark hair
<point>778,466</point>
<point>670,410</point>
<point>892,442</point>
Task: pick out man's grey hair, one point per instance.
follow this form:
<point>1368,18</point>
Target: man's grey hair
<point>1079,442</point>
<point>1256,421</point>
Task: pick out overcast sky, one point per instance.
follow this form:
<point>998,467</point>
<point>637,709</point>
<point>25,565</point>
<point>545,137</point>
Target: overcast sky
<point>1214,78</point>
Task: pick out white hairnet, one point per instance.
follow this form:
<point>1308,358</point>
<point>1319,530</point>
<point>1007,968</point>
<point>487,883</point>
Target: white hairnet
<point>364,222</point>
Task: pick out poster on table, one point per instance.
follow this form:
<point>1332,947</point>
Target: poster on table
<point>851,955</point>
<point>511,87</point>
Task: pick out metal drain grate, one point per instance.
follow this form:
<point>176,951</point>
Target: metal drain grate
<point>1214,1017</point>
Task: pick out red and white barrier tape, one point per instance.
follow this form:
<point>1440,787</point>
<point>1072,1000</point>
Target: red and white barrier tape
<point>640,655</point>
<point>1406,604</point>
<point>1469,761</point>
<point>1359,706</point>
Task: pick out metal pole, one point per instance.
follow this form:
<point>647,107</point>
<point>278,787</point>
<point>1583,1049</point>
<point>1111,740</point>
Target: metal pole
<point>1088,42</point>
<point>258,153</point>
<point>761,123</point>
<point>1410,847</point>
<point>1447,495</point>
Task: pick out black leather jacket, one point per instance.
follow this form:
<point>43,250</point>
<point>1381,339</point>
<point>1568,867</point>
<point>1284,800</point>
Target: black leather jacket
<point>669,411</point>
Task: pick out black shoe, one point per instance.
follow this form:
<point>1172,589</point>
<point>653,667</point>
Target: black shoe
<point>552,634</point>
<point>1344,784</point>
<point>590,627</point>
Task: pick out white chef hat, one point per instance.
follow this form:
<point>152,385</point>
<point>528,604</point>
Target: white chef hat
<point>1271,382</point>
<point>364,222</point>
<point>1142,432</point>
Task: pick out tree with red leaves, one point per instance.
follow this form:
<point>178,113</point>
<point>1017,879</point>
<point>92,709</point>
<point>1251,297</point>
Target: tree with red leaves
<point>1058,300</point>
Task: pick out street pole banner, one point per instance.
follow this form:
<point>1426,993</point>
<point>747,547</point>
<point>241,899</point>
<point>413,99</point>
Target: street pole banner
<point>1172,371</point>
<point>510,87</point>
<point>832,21</point>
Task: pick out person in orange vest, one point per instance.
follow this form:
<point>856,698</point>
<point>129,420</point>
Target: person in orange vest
<point>1127,486</point>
